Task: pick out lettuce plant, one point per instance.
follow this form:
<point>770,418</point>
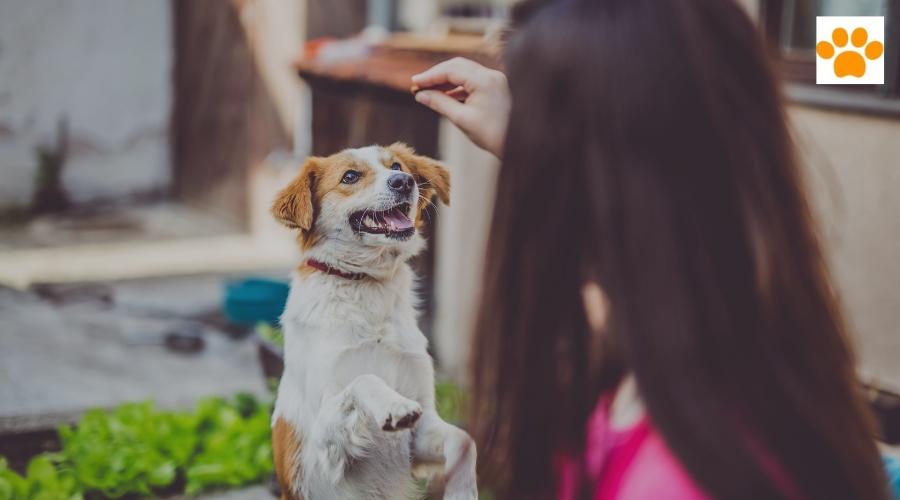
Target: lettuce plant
<point>137,450</point>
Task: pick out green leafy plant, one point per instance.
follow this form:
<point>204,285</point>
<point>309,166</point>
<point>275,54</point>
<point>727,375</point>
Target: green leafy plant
<point>270,333</point>
<point>236,445</point>
<point>139,451</point>
<point>41,482</point>
<point>450,401</point>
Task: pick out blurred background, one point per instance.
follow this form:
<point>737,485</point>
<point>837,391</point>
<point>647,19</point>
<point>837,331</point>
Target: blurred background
<point>141,144</point>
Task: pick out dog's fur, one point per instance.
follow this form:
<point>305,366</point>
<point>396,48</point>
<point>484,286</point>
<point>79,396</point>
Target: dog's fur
<point>355,415</point>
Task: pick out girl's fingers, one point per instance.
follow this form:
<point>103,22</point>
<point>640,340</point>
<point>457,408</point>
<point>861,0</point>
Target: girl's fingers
<point>442,103</point>
<point>444,87</point>
<point>456,71</point>
<point>459,94</point>
<point>474,98</point>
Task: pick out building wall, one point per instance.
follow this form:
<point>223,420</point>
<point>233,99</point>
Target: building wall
<point>103,64</point>
<point>853,173</point>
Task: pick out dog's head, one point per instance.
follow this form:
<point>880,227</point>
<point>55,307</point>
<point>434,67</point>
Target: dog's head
<point>371,197</point>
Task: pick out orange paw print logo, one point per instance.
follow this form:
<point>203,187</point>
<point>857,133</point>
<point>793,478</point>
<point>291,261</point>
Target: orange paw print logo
<point>850,62</point>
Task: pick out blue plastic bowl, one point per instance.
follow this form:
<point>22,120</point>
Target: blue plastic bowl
<point>893,471</point>
<point>255,299</point>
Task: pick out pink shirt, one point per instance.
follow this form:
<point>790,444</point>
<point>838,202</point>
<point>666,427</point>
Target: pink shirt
<point>627,464</point>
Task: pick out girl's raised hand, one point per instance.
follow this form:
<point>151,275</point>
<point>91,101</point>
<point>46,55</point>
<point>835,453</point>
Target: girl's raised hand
<point>476,99</point>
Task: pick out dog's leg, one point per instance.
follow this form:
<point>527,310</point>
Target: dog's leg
<point>436,442</point>
<point>344,424</point>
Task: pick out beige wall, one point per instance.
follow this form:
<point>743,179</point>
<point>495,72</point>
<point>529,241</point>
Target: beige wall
<point>853,165</point>
<point>461,239</point>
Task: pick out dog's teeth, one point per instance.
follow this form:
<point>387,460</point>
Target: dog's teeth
<point>392,225</point>
<point>369,221</point>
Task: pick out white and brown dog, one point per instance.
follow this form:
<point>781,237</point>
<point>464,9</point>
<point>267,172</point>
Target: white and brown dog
<point>355,415</point>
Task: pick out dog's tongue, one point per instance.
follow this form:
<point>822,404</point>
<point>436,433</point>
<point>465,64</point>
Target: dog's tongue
<point>400,221</point>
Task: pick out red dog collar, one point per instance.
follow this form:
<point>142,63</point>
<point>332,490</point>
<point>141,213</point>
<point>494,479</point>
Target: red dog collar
<point>325,268</point>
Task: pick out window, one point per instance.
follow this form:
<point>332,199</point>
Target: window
<point>790,26</point>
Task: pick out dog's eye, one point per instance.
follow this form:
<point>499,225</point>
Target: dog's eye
<point>350,177</point>
<point>395,166</point>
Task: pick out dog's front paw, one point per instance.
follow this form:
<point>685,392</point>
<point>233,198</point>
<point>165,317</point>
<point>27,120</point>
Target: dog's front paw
<point>400,414</point>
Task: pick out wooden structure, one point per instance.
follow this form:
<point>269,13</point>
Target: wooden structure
<point>223,120</point>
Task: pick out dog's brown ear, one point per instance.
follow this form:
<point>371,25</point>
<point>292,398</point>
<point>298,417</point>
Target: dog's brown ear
<point>293,206</point>
<point>429,173</point>
<point>433,173</point>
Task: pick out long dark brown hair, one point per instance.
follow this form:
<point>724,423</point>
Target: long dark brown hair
<point>648,151</point>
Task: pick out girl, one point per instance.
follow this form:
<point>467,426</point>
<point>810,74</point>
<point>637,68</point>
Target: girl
<point>658,320</point>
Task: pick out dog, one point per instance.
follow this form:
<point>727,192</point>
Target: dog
<point>355,413</point>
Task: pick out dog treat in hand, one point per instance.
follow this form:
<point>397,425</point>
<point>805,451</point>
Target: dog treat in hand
<point>454,91</point>
<point>444,87</point>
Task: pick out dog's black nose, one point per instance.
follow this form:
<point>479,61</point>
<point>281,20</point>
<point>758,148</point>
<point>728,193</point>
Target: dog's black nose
<point>402,183</point>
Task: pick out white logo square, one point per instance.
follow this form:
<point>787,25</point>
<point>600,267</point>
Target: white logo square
<point>850,50</point>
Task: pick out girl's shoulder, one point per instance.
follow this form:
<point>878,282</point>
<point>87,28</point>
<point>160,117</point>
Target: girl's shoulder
<point>655,473</point>
<point>632,461</point>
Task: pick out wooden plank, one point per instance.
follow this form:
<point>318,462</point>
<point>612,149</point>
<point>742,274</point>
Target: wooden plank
<point>337,18</point>
<point>223,122</point>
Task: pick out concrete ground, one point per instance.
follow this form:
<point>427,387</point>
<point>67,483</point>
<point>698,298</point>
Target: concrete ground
<point>70,348</point>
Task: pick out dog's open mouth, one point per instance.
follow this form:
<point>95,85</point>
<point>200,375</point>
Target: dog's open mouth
<point>393,222</point>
